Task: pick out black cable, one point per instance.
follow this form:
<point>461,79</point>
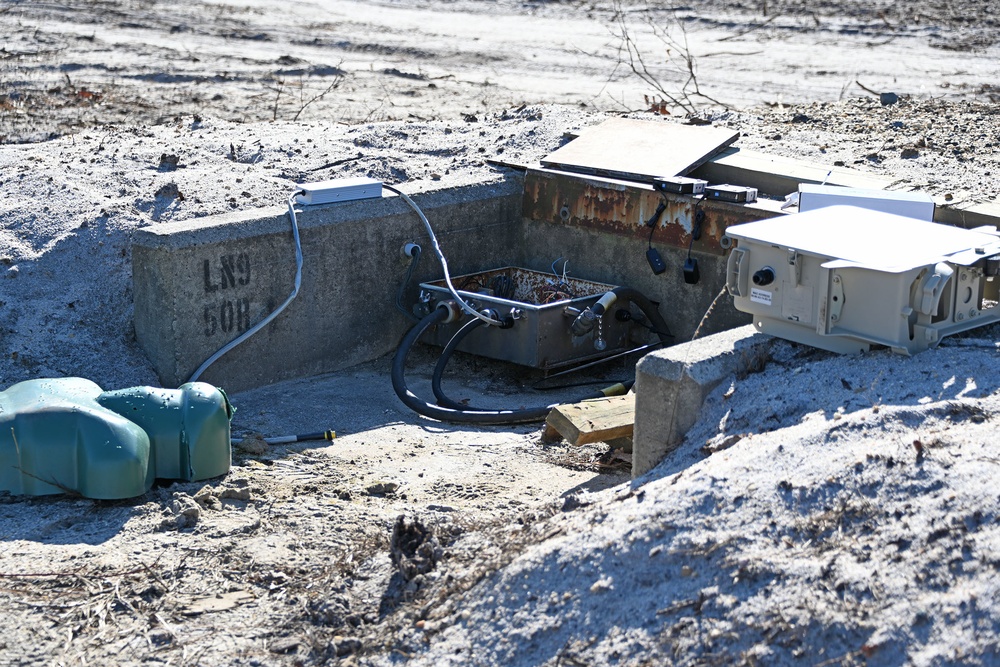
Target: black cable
<point>420,406</point>
<point>426,409</point>
<point>624,315</point>
<point>503,287</point>
<point>449,349</point>
<point>406,283</point>
<point>653,219</point>
<point>699,217</point>
<point>659,325</point>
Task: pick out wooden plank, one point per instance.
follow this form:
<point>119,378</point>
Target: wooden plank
<point>596,420</point>
<point>640,150</point>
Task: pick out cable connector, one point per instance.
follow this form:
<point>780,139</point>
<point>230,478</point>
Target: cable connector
<point>410,250</point>
<point>453,309</point>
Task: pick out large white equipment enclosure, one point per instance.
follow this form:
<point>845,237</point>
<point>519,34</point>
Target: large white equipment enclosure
<point>843,278</point>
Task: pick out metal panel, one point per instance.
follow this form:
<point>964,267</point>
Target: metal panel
<point>640,150</point>
<point>910,204</point>
<point>616,207</point>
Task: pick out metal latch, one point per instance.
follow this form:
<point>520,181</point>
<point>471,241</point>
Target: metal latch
<point>737,273</point>
<point>929,290</point>
<point>794,268</point>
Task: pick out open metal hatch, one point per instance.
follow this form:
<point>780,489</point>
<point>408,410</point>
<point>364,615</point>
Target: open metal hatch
<point>640,150</point>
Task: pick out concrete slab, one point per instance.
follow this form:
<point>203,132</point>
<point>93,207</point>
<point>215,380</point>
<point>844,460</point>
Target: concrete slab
<point>672,384</point>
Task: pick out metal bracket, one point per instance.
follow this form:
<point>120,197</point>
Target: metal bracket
<point>737,274</point>
<point>794,268</point>
<point>931,288</point>
<point>836,297</point>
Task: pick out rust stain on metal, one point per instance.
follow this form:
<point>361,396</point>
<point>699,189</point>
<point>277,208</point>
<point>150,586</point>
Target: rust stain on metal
<point>623,209</point>
<point>720,216</point>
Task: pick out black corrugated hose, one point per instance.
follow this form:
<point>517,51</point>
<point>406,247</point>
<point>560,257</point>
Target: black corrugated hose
<point>463,415</point>
<point>449,349</point>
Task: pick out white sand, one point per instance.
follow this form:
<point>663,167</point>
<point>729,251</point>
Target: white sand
<point>853,521</point>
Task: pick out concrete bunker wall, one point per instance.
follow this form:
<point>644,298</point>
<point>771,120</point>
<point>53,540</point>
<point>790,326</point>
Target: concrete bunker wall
<point>200,283</point>
<point>599,225</point>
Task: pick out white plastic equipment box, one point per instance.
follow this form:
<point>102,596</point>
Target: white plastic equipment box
<point>917,205</point>
<point>842,278</point>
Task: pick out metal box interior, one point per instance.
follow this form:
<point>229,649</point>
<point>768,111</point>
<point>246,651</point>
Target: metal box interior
<point>543,305</point>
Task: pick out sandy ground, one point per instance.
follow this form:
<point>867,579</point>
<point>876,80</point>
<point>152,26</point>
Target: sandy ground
<point>81,63</point>
<point>825,511</point>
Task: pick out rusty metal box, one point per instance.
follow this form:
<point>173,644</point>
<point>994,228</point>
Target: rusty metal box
<point>543,305</point>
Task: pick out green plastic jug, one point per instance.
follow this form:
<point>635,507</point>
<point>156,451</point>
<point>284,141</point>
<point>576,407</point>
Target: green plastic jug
<point>67,435</point>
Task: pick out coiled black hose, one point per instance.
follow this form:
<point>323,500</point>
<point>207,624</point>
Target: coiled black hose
<point>449,349</point>
<point>426,409</point>
<point>462,414</point>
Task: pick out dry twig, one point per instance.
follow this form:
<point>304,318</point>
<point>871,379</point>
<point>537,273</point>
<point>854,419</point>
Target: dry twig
<point>680,58</point>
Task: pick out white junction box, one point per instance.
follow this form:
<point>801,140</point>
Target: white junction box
<point>339,189</point>
<point>917,205</point>
<point>842,278</point>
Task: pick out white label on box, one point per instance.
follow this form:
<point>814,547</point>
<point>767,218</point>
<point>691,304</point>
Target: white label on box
<point>760,296</point>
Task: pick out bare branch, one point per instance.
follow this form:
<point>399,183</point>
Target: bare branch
<point>679,56</point>
<point>335,84</point>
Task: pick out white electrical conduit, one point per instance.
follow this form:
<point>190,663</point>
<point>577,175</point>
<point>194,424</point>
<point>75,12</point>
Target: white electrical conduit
<point>444,263</point>
<point>260,325</point>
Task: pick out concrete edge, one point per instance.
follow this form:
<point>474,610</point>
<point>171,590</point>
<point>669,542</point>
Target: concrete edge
<point>672,385</point>
<point>274,219</point>
<point>194,290</point>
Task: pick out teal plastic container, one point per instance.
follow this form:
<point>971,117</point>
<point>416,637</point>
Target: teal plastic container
<point>68,435</point>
